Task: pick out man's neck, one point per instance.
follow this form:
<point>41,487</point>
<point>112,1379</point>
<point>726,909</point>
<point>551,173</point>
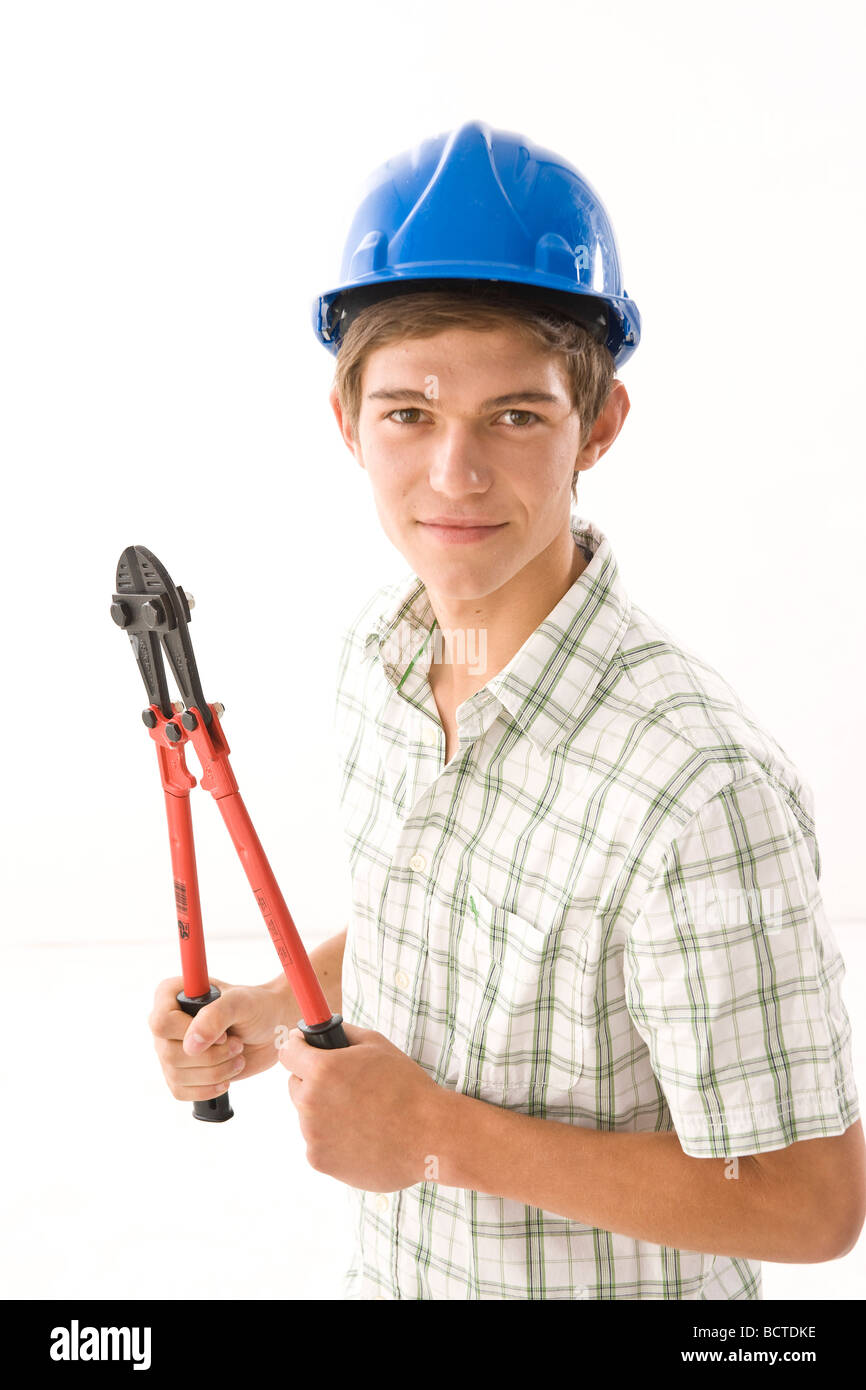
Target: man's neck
<point>475,638</point>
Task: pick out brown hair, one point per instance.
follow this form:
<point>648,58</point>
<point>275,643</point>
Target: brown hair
<point>588,364</point>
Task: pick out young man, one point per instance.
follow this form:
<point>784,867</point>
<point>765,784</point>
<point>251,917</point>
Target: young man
<point>597,1043</point>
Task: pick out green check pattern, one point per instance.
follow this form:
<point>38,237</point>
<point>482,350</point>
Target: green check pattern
<point>605,911</point>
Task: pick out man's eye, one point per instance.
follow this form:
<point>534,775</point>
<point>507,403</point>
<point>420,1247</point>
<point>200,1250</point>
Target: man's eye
<point>404,410</point>
<point>530,413</point>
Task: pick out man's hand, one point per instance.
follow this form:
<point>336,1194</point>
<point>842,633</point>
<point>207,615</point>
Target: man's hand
<point>367,1111</point>
<point>200,1055</point>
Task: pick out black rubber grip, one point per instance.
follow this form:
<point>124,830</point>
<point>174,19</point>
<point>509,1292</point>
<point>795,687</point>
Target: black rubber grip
<point>219,1107</point>
<point>325,1035</point>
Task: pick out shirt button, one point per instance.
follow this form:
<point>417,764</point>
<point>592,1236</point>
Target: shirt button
<point>401,979</point>
<point>429,735</point>
<point>381,1202</point>
<point>417,862</point>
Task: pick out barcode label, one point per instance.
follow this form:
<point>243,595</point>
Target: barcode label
<point>180,895</point>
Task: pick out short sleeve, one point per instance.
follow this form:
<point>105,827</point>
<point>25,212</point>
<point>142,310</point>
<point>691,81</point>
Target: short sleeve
<point>733,979</point>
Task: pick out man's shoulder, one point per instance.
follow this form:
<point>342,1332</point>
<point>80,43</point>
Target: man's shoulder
<point>671,692</point>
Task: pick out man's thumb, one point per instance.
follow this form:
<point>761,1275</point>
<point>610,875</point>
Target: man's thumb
<point>206,1027</point>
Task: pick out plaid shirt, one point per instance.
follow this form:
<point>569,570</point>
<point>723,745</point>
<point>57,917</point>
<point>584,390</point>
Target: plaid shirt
<point>604,910</point>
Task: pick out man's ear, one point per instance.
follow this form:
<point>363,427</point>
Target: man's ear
<point>345,429</point>
<point>610,421</point>
<point>342,423</point>
<point>334,398</point>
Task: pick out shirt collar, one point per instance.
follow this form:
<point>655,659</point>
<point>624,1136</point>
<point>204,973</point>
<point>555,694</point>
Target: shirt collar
<point>548,683</point>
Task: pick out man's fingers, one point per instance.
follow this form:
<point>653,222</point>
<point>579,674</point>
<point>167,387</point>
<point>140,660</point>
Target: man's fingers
<point>172,1055</point>
<point>182,1080</point>
<point>293,1052</point>
<point>209,1025</point>
<point>174,1025</point>
<point>168,1020</point>
<point>168,1025</point>
<point>298,1056</point>
<point>190,1093</point>
<point>356,1035</point>
<point>189,1079</point>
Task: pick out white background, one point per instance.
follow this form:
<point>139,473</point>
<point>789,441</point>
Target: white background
<point>177,181</point>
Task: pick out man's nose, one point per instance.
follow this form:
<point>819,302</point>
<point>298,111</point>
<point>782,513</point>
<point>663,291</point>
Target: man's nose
<point>457,463</point>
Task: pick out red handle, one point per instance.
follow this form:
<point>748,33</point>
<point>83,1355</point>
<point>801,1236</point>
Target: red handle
<point>176,782</point>
<point>278,919</point>
<point>217,777</point>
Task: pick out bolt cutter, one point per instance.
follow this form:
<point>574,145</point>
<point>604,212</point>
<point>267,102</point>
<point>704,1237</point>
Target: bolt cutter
<point>155,613</point>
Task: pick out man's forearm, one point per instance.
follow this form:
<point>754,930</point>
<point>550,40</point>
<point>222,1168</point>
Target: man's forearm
<point>327,961</point>
<point>639,1185</point>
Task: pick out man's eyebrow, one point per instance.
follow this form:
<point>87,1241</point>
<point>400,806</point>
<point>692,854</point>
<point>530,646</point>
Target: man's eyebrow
<point>403,393</point>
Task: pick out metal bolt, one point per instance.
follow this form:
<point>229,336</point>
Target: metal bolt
<point>190,600</point>
<point>149,718</point>
<point>121,614</point>
<point>189,720</point>
<point>177,706</point>
<point>219,710</point>
<point>173,733</point>
<point>153,612</point>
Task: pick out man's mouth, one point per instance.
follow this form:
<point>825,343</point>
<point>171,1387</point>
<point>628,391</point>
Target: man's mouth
<point>462,531</point>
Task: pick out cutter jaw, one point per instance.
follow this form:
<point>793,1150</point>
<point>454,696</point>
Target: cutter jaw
<point>151,608</point>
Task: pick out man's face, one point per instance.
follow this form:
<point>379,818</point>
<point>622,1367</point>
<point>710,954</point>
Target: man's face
<point>437,439</point>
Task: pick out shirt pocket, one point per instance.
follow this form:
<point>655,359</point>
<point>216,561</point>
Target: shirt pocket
<point>521,1021</point>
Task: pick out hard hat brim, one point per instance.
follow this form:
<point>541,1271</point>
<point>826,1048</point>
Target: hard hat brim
<point>613,320</point>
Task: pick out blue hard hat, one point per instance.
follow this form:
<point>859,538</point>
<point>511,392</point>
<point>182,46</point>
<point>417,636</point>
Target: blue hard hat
<point>481,206</point>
